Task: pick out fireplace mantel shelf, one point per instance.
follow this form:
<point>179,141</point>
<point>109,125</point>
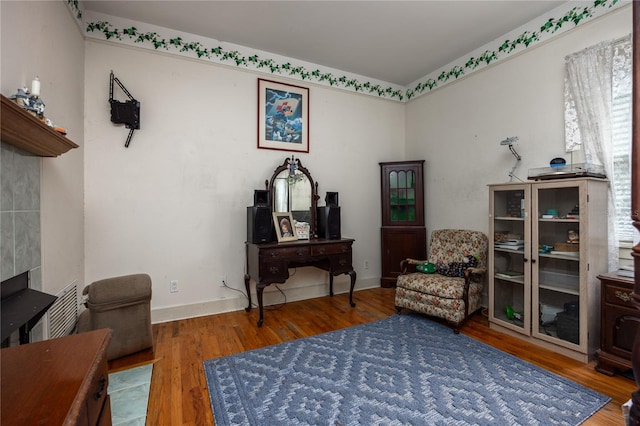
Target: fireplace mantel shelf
<point>23,130</point>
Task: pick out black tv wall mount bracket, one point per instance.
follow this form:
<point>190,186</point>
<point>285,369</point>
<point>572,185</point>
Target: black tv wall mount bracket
<point>127,113</point>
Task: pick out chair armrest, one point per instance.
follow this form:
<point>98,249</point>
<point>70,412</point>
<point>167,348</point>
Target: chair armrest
<point>404,264</point>
<point>476,271</point>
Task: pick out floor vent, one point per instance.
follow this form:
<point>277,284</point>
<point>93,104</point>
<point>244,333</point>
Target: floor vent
<point>63,314</point>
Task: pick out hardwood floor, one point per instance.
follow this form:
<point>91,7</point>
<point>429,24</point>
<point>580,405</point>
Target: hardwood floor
<point>179,393</point>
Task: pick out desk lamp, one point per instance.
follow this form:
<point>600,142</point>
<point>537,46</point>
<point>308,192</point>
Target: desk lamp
<point>510,141</point>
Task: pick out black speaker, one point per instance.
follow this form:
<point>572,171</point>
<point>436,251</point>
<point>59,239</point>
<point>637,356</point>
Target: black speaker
<point>329,222</point>
<point>331,199</point>
<point>261,197</point>
<point>259,225</point>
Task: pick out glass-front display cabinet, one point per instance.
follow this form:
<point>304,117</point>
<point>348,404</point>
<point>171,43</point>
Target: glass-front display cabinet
<point>548,245</point>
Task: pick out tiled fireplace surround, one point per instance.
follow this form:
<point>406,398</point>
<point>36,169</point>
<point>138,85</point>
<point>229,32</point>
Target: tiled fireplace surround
<point>20,236</point>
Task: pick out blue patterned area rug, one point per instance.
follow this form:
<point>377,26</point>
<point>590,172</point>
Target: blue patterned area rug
<point>403,370</point>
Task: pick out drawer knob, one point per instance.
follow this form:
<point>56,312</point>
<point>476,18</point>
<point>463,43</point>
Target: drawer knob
<point>100,388</point>
<point>274,269</point>
<point>625,297</point>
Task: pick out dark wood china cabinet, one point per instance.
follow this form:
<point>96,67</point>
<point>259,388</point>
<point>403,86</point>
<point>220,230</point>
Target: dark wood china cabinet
<point>403,233</point>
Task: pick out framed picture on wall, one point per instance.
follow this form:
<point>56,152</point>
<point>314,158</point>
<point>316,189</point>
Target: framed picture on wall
<point>283,116</point>
<point>283,222</point>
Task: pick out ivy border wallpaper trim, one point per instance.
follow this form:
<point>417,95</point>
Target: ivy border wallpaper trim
<point>152,39</point>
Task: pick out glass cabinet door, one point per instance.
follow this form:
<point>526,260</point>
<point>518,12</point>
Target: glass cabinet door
<point>556,274</point>
<point>510,236</point>
<point>402,193</point>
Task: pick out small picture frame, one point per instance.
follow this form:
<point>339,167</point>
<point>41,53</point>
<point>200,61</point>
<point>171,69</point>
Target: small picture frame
<point>302,230</point>
<point>283,222</point>
<point>283,116</point>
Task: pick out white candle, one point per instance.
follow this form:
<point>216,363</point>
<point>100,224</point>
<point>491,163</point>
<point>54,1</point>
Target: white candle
<point>35,87</point>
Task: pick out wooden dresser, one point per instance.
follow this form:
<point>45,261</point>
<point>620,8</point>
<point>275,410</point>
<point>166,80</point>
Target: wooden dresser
<point>57,381</point>
<point>619,320</point>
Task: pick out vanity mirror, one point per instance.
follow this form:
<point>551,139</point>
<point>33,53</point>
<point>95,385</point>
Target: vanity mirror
<point>292,190</point>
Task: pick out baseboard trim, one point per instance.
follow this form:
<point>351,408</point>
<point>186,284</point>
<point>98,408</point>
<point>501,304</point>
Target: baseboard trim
<point>271,296</point>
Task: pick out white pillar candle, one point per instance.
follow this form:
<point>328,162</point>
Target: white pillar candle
<point>35,87</point>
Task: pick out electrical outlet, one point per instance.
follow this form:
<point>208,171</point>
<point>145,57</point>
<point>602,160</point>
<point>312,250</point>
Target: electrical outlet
<point>223,281</point>
<point>173,287</point>
<point>366,264</point>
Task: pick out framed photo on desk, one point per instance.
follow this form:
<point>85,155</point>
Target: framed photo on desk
<point>283,222</point>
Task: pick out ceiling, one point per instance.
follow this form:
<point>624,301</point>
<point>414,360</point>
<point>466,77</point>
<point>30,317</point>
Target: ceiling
<point>394,41</point>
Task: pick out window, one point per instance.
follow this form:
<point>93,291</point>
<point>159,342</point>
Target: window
<point>621,122</point>
<point>598,97</point>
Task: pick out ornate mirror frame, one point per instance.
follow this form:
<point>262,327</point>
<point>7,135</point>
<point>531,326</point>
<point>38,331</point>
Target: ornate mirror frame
<point>293,167</point>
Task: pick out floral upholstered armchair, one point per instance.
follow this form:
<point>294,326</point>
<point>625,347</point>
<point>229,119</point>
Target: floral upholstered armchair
<point>450,284</point>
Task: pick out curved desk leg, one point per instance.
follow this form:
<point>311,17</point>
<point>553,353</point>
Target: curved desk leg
<point>259,289</point>
<point>247,280</point>
<point>352,274</point>
<point>330,283</point>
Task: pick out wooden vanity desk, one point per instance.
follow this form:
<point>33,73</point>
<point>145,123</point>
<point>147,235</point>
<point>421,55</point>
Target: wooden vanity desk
<point>269,263</point>
<point>293,192</point>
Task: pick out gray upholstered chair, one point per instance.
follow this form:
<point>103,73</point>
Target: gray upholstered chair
<point>122,304</point>
<point>437,294</point>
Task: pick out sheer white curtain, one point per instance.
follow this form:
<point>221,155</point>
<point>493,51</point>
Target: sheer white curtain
<point>591,80</point>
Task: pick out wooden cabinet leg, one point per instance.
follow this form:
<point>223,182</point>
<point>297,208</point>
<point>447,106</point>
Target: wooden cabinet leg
<point>247,281</point>
<point>330,283</point>
<point>259,289</point>
<point>352,275</point>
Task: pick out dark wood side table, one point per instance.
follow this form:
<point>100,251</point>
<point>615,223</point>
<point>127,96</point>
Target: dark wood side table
<point>619,320</point>
<point>269,263</point>
<point>58,381</point>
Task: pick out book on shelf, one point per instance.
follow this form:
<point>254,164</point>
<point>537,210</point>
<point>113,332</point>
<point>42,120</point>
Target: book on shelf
<point>512,242</point>
<point>509,274</point>
<point>509,246</point>
<point>566,253</point>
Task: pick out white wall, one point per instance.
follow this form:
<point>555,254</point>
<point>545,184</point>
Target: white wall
<point>458,128</point>
<point>173,204</point>
<point>41,38</point>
